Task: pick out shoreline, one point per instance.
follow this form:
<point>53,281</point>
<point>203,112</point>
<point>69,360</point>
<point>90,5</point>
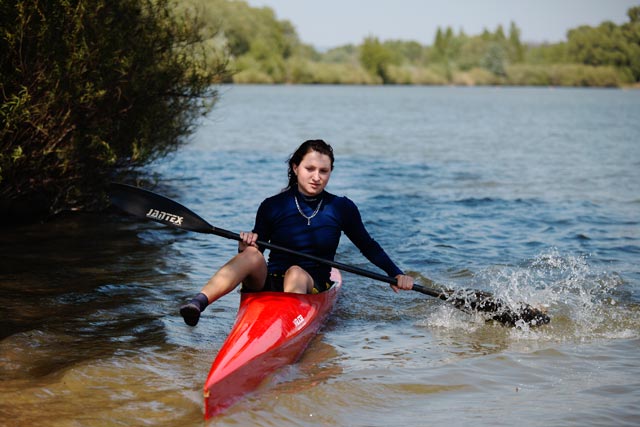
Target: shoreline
<point>635,86</point>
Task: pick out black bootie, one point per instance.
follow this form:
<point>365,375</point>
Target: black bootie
<point>190,312</point>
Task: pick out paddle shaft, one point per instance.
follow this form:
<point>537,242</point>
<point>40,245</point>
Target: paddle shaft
<point>344,267</point>
<point>145,204</point>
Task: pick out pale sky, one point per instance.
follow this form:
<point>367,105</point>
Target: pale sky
<point>331,23</point>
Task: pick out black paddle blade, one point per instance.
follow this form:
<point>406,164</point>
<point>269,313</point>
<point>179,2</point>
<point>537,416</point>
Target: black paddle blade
<point>495,309</point>
<point>146,204</point>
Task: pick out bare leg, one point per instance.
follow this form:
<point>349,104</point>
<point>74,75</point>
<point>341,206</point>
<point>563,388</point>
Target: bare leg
<point>248,267</point>
<point>298,281</point>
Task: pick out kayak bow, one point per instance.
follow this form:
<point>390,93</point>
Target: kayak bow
<point>272,330</point>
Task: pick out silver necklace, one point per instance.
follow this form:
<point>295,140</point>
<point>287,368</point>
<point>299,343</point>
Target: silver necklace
<point>308,218</point>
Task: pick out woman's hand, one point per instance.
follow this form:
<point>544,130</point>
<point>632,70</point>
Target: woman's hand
<point>404,282</point>
<point>248,239</point>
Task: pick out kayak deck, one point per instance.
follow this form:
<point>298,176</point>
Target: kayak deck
<point>272,330</point>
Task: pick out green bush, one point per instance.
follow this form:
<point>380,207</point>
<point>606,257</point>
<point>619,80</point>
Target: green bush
<point>252,76</point>
<point>584,75</point>
<point>476,77</point>
<point>528,75</point>
<point>567,75</point>
<point>413,75</point>
<point>300,71</point>
<point>376,58</point>
<point>352,74</point>
<point>90,88</point>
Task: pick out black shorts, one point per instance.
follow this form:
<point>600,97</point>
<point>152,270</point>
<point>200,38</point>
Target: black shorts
<point>275,283</point>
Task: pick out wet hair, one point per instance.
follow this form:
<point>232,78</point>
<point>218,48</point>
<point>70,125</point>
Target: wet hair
<point>310,145</point>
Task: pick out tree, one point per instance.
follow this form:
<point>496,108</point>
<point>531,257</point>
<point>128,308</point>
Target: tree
<point>257,42</point>
<point>405,51</point>
<point>631,32</point>
<point>499,34</point>
<point>634,14</point>
<point>90,88</point>
<point>607,44</point>
<point>376,58</point>
<point>516,48</point>
<point>443,44</point>
<point>495,59</point>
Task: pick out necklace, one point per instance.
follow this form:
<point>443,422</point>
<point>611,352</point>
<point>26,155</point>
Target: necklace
<point>308,218</point>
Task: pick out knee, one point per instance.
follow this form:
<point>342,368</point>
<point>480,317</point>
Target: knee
<point>295,272</point>
<point>252,255</point>
<point>297,280</point>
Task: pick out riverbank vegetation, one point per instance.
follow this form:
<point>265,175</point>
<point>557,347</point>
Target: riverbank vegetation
<point>263,49</point>
<point>91,88</point>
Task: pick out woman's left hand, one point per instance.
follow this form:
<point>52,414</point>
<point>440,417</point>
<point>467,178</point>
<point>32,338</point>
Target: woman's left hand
<point>247,239</point>
<point>404,282</point>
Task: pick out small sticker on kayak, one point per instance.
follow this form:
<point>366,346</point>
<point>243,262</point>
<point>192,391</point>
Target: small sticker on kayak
<point>298,320</point>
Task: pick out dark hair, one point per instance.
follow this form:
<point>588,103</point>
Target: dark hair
<point>310,145</point>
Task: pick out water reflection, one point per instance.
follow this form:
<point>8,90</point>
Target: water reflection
<point>76,291</point>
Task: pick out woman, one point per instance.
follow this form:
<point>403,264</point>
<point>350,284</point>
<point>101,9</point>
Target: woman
<point>305,218</point>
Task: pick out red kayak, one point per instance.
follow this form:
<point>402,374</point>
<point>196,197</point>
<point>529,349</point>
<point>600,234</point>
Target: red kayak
<point>272,330</point>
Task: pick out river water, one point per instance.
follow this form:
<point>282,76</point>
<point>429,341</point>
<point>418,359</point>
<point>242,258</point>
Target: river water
<point>532,194</point>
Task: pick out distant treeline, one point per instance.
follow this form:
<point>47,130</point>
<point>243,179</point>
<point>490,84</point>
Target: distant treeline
<point>263,49</point>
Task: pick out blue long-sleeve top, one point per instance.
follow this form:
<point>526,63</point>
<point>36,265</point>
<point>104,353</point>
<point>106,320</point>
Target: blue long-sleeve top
<point>278,221</point>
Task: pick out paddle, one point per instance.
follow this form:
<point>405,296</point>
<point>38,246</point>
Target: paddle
<point>145,204</point>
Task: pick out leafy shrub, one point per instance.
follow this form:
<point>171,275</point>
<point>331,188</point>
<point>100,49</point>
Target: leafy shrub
<point>528,75</point>
<point>352,74</point>
<point>414,75</point>
<point>584,75</point>
<point>90,88</point>
<point>475,77</point>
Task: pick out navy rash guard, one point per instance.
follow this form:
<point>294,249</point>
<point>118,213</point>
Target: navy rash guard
<point>278,221</point>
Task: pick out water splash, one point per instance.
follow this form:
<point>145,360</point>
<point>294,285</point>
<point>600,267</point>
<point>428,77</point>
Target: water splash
<point>585,303</point>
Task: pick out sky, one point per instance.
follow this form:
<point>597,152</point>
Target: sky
<point>331,23</point>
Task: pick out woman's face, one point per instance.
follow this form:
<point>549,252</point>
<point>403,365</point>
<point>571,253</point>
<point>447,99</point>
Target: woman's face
<point>313,173</point>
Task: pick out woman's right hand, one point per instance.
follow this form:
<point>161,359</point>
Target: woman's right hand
<point>248,239</point>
